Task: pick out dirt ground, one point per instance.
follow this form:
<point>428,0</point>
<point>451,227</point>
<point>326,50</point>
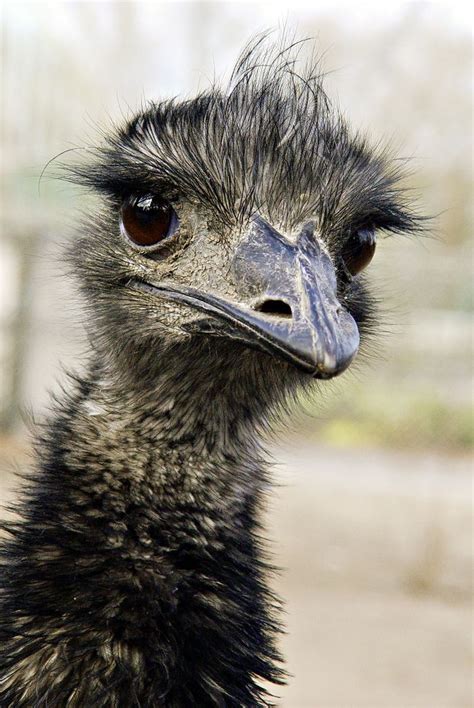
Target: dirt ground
<point>376,550</point>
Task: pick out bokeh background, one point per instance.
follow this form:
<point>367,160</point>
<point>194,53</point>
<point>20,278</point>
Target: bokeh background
<point>372,519</point>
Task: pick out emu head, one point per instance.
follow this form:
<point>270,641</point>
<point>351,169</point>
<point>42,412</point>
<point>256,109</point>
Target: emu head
<point>239,222</point>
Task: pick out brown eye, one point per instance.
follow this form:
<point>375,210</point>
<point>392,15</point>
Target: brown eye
<point>359,250</point>
<point>147,220</point>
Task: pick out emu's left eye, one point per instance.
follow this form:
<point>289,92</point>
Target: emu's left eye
<point>147,220</point>
<point>359,250</point>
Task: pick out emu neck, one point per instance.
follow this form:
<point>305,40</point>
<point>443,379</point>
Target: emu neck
<point>180,438</point>
<point>167,432</point>
<point>139,548</point>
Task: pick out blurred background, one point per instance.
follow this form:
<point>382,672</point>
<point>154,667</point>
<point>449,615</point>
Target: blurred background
<point>372,519</point>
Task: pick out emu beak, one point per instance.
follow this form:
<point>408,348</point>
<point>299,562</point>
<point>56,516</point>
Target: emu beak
<point>294,312</point>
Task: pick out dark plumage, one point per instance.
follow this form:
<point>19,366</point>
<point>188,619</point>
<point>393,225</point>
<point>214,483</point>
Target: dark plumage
<point>134,574</point>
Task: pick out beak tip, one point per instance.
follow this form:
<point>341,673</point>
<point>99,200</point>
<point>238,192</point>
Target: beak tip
<point>331,365</point>
<point>329,362</point>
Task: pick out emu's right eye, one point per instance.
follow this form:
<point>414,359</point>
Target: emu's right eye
<point>359,250</point>
<point>147,220</point>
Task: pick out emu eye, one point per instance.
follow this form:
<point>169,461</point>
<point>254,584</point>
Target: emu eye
<point>359,250</point>
<point>147,220</point>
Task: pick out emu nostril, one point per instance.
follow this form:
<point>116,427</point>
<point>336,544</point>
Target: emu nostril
<point>277,308</point>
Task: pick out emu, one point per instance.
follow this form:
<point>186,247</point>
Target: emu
<point>223,274</point>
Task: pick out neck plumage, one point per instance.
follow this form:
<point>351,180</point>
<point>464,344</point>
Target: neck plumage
<point>135,572</point>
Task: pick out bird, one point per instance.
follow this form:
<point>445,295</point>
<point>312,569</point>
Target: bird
<point>223,274</point>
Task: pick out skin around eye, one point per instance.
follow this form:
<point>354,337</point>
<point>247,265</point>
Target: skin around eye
<point>359,250</point>
<point>147,220</point>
